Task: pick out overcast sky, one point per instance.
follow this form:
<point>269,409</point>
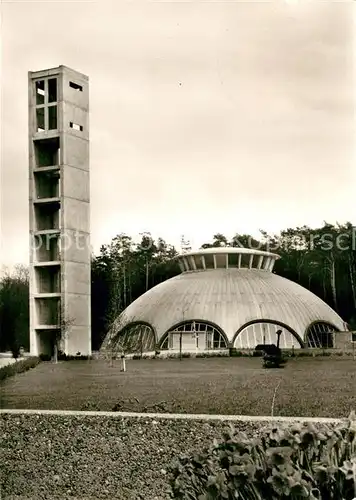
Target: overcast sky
<point>205,116</point>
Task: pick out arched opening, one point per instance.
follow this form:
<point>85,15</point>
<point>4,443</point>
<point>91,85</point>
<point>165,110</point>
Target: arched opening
<point>320,335</point>
<point>264,332</point>
<point>134,338</point>
<point>194,336</point>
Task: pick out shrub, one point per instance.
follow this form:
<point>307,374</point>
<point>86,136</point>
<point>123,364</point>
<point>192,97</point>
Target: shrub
<point>176,355</point>
<point>62,356</point>
<point>303,354</point>
<point>18,367</point>
<point>220,354</point>
<point>212,354</point>
<point>77,357</point>
<point>296,462</point>
<point>15,350</point>
<point>45,357</point>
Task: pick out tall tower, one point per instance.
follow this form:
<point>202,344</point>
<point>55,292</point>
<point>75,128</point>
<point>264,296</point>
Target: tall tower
<point>59,212</point>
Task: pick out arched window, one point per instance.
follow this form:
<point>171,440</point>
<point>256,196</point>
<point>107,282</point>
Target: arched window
<point>320,335</point>
<point>264,332</point>
<point>194,335</point>
<point>134,338</point>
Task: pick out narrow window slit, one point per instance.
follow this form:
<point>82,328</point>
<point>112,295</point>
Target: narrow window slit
<point>75,126</point>
<point>76,87</point>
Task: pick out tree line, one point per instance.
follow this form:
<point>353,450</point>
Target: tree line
<point>322,260</point>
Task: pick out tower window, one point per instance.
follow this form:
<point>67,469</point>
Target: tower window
<point>52,117</point>
<point>47,152</point>
<point>40,92</point>
<point>76,87</point>
<point>75,126</point>
<point>40,118</point>
<point>52,90</point>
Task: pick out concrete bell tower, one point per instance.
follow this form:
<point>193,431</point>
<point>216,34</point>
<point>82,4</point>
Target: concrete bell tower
<point>59,212</point>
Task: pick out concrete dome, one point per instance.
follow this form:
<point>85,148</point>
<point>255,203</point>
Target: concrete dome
<point>232,300</point>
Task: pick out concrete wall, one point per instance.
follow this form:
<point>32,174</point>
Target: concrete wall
<point>76,214</point>
<point>70,96</point>
<point>76,245</point>
<point>75,151</point>
<point>75,183</point>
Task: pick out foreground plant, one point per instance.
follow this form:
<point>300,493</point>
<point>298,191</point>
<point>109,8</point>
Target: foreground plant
<point>303,461</point>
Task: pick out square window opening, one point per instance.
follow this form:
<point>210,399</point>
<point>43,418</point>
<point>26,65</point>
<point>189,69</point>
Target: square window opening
<point>46,248</point>
<point>47,152</point>
<point>47,217</point>
<point>48,311</point>
<point>48,279</point>
<point>47,185</point>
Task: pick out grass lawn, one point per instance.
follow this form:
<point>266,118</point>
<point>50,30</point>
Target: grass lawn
<point>315,387</point>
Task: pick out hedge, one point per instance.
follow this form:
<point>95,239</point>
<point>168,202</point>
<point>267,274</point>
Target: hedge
<point>18,367</point>
<point>65,357</point>
<point>298,353</point>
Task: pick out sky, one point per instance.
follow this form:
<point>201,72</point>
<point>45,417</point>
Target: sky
<point>205,116</point>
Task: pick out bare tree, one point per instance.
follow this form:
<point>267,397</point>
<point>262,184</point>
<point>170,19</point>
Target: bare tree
<point>119,341</point>
<point>61,334</point>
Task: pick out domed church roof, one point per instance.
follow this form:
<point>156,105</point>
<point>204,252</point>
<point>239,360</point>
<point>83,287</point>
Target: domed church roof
<point>229,288</point>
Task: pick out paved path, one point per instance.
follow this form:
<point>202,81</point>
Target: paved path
<point>175,416</point>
